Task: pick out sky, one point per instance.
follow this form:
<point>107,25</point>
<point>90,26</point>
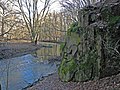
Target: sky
<point>56,6</point>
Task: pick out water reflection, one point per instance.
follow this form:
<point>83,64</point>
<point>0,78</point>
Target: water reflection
<point>19,72</point>
<point>48,51</point>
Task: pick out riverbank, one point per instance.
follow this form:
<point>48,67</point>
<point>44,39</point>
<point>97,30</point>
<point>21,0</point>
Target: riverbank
<point>53,82</point>
<point>10,50</point>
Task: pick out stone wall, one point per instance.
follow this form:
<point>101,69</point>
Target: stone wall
<point>92,51</point>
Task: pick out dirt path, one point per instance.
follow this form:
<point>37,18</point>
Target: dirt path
<point>53,83</point>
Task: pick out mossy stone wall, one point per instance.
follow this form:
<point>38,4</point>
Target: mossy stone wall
<point>92,51</point>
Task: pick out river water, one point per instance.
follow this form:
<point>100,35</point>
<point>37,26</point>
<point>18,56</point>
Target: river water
<point>19,72</point>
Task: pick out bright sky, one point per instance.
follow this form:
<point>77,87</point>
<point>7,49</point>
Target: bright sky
<point>56,6</point>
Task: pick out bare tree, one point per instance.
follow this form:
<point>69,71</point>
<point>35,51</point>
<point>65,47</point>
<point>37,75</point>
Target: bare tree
<point>8,17</point>
<point>55,25</point>
<point>74,6</point>
<point>33,14</point>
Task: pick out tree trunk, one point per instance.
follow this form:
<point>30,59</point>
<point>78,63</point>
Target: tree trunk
<point>2,28</point>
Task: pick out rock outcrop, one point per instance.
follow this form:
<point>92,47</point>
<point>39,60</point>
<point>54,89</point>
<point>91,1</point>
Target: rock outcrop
<point>92,51</point>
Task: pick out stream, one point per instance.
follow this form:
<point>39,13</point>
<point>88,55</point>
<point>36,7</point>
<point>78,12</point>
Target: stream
<point>20,72</point>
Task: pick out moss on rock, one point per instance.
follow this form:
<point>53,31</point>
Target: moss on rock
<point>67,69</point>
<point>92,51</point>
